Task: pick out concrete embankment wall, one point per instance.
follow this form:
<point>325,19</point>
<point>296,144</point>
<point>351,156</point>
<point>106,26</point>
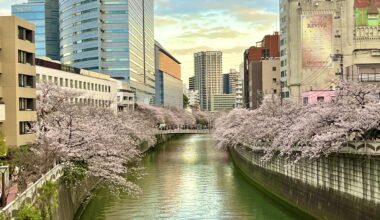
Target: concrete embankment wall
<point>70,200</point>
<point>340,186</point>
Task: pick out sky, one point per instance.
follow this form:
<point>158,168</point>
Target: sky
<point>185,27</point>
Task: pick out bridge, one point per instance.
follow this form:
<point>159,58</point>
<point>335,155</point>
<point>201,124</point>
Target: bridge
<point>185,131</point>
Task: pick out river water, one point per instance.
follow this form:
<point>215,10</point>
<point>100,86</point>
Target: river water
<point>188,178</point>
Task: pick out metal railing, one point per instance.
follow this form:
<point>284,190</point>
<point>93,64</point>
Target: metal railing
<point>184,131</point>
<point>32,190</point>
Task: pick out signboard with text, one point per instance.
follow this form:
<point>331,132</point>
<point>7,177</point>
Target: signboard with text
<point>317,41</point>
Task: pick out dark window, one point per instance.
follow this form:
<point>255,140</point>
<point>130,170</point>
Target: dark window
<point>274,68</point>
<point>274,80</point>
<point>25,57</point>
<point>26,81</point>
<point>320,99</point>
<point>26,127</point>
<point>305,100</point>
<point>25,34</point>
<point>27,104</point>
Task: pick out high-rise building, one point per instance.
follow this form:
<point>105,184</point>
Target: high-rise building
<point>17,81</point>
<point>113,37</point>
<point>192,83</point>
<point>325,41</point>
<point>256,68</point>
<point>208,76</point>
<point>226,83</point>
<point>222,102</point>
<point>45,15</point>
<point>233,77</point>
<point>169,86</point>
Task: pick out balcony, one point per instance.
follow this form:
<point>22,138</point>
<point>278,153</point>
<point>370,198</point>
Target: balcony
<point>367,33</point>
<point>2,111</point>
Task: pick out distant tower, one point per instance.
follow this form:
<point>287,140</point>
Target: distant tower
<point>208,76</point>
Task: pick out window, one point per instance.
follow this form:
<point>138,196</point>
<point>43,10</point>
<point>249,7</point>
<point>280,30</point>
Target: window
<point>320,99</point>
<point>84,85</point>
<point>25,57</point>
<point>274,68</point>
<point>66,83</point>
<point>25,34</point>
<point>44,78</point>
<point>27,104</point>
<point>25,127</point>
<point>26,81</point>
<point>71,83</point>
<point>274,80</point>
<point>56,80</point>
<point>80,84</point>
<point>50,78</point>
<point>61,82</point>
<point>76,84</point>
<point>305,100</point>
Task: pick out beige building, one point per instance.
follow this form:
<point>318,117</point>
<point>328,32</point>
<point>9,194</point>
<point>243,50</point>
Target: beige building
<point>17,80</point>
<point>222,102</point>
<point>95,89</point>
<point>325,41</point>
<point>264,80</point>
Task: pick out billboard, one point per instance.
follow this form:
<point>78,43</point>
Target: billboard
<point>367,13</point>
<point>317,41</point>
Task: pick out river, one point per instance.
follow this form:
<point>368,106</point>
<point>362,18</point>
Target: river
<point>188,178</point>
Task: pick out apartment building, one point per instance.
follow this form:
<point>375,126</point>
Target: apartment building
<point>95,89</point>
<point>17,81</point>
<point>208,68</point>
<point>222,102</point>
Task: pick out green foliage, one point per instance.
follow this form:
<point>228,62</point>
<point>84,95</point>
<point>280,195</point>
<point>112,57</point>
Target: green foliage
<point>185,101</point>
<point>3,146</point>
<point>28,212</point>
<point>47,199</point>
<point>2,216</point>
<point>73,174</point>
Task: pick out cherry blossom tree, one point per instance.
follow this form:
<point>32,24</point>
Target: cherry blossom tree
<point>309,131</point>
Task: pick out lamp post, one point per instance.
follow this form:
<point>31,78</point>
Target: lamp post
<point>3,170</point>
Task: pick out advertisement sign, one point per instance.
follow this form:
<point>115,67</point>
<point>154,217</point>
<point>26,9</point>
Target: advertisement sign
<point>317,41</point>
<point>367,13</point>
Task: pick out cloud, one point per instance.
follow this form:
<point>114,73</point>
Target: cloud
<point>4,12</point>
<point>164,21</point>
<point>212,33</point>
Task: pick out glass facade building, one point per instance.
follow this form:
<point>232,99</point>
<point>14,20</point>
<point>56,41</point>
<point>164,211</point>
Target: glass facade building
<point>45,15</point>
<point>111,36</point>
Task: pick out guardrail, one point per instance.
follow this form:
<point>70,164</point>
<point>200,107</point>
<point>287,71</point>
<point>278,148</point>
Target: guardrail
<point>30,192</point>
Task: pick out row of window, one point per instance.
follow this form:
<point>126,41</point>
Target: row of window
<point>77,84</point>
<point>91,102</point>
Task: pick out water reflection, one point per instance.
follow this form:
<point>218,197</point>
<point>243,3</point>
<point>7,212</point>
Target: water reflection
<point>188,178</point>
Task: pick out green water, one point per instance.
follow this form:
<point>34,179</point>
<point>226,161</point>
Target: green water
<point>187,178</point>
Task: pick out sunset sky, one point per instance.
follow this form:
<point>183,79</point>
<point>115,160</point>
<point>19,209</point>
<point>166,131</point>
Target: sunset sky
<point>184,27</point>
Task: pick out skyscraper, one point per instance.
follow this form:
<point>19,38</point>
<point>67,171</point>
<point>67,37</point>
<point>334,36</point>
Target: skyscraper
<point>226,83</point>
<point>208,76</point>
<point>192,83</point>
<point>113,37</point>
<point>45,15</point>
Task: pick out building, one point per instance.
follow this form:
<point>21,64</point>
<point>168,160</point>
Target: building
<point>17,81</point>
<point>169,86</point>
<point>192,83</point>
<point>261,70</point>
<point>113,37</point>
<point>208,76</point>
<point>329,46</point>
<point>239,101</point>
<point>95,89</point>
<point>222,102</point>
<point>234,76</point>
<point>193,99</point>
<point>264,81</point>
<point>226,83</point>
<point>45,15</point>
<point>125,96</point>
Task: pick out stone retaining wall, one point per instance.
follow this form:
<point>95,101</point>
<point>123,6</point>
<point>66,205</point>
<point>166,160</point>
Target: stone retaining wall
<point>340,186</point>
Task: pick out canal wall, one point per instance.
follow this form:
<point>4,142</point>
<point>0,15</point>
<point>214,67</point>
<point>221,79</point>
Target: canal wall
<point>340,186</point>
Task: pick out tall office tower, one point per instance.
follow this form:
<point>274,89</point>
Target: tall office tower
<point>17,81</point>
<point>226,83</point>
<point>192,83</point>
<point>208,76</point>
<point>45,15</point>
<point>113,37</point>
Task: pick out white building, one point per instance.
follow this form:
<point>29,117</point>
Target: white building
<point>193,99</point>
<point>239,101</point>
<point>96,89</point>
<point>125,96</point>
